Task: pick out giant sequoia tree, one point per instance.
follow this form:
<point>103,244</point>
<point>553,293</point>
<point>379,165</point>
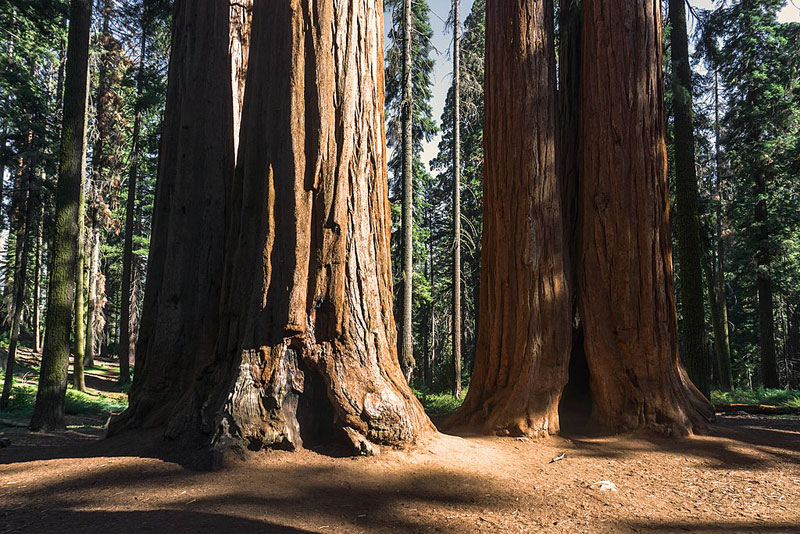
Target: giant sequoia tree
<point>524,325</point>
<point>292,339</point>
<point>625,274</point>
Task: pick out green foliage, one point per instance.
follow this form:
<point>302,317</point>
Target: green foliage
<point>23,396</point>
<point>756,62</point>
<point>772,397</point>
<point>438,404</point>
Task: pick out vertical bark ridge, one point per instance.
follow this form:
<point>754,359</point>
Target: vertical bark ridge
<point>179,315</point>
<point>627,297</point>
<point>306,350</point>
<point>524,328</point>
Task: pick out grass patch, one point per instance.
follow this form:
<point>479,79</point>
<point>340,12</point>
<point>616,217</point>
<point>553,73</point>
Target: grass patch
<point>439,404</point>
<point>773,397</point>
<point>94,403</point>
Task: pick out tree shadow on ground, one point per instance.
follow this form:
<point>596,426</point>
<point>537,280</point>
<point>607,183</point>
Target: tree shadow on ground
<point>715,527</point>
<point>318,496</point>
<point>152,521</point>
<point>721,446</point>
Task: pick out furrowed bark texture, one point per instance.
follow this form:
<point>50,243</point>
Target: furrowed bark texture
<point>625,275</point>
<point>575,404</point>
<point>307,346</point>
<point>179,316</point>
<point>524,331</point>
<point>690,251</point>
<point>48,412</point>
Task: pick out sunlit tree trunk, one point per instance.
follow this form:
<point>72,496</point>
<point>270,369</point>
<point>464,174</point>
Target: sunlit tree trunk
<point>37,280</point>
<point>94,304</point>
<point>625,274</point>
<point>524,333</point>
<point>78,381</point>
<point>306,345</point>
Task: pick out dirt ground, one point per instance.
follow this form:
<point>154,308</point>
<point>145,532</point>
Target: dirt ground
<point>745,477</point>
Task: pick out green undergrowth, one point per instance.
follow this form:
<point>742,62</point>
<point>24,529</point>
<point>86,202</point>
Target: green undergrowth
<point>437,403</point>
<point>23,396</point>
<point>773,397</point>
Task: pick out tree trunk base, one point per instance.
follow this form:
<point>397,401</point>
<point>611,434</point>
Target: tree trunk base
<point>507,413</point>
<point>287,397</point>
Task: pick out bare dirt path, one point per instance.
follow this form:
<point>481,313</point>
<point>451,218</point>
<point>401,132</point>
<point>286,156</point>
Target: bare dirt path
<point>744,478</point>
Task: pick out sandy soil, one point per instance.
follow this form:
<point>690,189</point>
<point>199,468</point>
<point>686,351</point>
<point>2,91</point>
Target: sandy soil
<point>743,478</point>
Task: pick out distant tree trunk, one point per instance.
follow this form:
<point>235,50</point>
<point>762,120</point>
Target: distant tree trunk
<point>430,338</point>
<point>306,348</point>
<point>407,280</point>
<point>721,336</point>
<point>20,282</point>
<point>792,345</point>
<point>127,347</point>
<point>48,411</point>
<point>689,249</point>
<point>524,322</point>
<point>456,204</point>
<point>625,277</point>
<point>78,381</point>
<point>37,281</point>
<point>766,320</point>
<point>94,306</point>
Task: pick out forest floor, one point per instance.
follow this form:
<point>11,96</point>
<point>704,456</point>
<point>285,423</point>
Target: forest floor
<point>743,477</point>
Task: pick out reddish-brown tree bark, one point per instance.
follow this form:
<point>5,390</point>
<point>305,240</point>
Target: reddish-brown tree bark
<point>524,332</point>
<point>179,314</point>
<point>307,349</point>
<point>304,343</point>
<point>625,274</point>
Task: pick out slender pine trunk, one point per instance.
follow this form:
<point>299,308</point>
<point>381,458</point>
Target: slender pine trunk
<point>48,412</point>
<point>686,194</point>
<point>456,204</point>
<point>78,381</point>
<point>20,283</point>
<point>407,343</point>
<point>721,335</point>
<point>127,347</point>
<point>37,283</point>
<point>91,323</point>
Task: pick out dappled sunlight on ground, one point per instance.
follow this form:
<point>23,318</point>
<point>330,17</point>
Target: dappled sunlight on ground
<point>744,477</point>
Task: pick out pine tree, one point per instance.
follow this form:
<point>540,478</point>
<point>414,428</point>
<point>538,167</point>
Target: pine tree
<point>757,64</point>
<point>49,408</point>
<point>408,94</point>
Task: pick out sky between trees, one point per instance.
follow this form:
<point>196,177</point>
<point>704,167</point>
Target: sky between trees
<point>443,39</point>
